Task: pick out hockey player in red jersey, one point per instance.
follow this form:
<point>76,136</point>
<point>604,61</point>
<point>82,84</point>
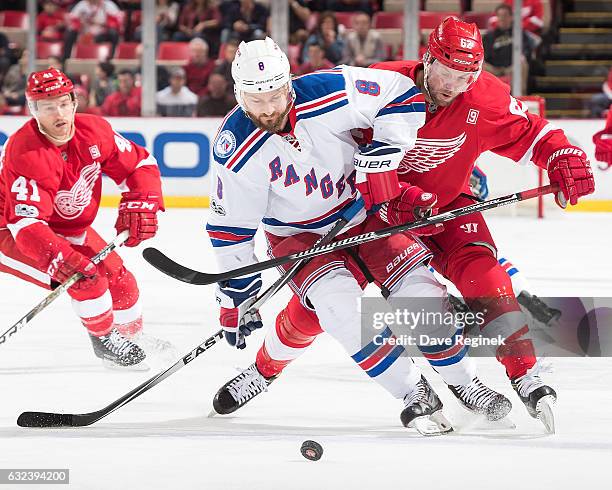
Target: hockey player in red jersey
<point>603,143</point>
<point>468,112</point>
<point>50,188</point>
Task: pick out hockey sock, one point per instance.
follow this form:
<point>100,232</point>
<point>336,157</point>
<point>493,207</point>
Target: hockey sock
<point>487,288</point>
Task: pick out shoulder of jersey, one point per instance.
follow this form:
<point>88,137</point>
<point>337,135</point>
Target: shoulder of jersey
<point>319,93</point>
<point>25,152</point>
<point>91,122</point>
<point>489,94</point>
<point>237,141</point>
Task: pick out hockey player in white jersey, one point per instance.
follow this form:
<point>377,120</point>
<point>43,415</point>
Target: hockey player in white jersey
<point>285,158</point>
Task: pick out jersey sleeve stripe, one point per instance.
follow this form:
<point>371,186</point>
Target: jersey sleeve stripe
<point>248,150</point>
<point>319,102</point>
<point>313,223</point>
<point>323,110</point>
<point>15,228</point>
<point>405,96</point>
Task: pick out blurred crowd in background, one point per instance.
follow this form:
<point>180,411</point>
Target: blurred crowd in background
<point>197,41</point>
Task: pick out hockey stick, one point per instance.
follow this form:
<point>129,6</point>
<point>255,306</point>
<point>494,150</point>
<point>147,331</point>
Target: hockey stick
<point>173,269</point>
<point>46,419</point>
<point>53,295</point>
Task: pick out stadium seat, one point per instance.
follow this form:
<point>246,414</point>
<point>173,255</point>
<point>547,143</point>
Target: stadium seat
<point>126,51</point>
<point>14,24</point>
<point>14,18</point>
<point>173,53</point>
<point>481,19</point>
<point>344,18</point>
<point>388,20</point>
<point>430,20</point>
<point>85,57</point>
<point>46,49</point>
<point>126,56</point>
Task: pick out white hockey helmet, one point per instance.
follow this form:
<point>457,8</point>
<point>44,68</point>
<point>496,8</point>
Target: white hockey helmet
<point>260,66</point>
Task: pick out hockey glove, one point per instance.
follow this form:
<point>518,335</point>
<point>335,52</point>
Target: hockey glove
<point>377,173</point>
<point>413,203</point>
<point>478,183</point>
<point>570,168</point>
<point>603,147</point>
<point>236,317</point>
<point>138,214</point>
<point>69,262</point>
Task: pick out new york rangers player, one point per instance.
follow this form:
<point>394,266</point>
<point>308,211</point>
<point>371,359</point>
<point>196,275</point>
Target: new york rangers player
<point>284,158</point>
<point>50,188</point>
<point>467,113</point>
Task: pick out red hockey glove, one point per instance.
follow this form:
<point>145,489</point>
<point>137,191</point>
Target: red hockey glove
<point>413,203</point>
<point>137,213</point>
<point>570,168</point>
<point>603,147</point>
<point>68,262</point>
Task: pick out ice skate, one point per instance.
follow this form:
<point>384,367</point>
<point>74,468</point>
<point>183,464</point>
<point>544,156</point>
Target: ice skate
<point>424,411</point>
<point>153,346</point>
<point>478,398</point>
<point>538,309</point>
<point>240,390</point>
<point>117,351</point>
<point>537,397</point>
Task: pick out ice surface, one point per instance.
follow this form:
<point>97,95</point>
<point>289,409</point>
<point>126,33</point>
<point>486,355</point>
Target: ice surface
<point>164,440</point>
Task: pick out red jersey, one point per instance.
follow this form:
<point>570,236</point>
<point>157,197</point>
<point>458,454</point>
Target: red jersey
<point>61,186</point>
<point>486,117</point>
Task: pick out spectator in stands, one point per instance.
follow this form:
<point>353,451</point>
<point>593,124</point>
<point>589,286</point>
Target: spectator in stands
<point>601,102</point>
<point>224,64</point>
<point>5,109</point>
<point>14,83</point>
<point>364,45</point>
<point>83,106</point>
<point>350,6</point>
<point>217,102</point>
<point>245,20</point>
<point>299,14</point>
<point>498,48</point>
<point>5,56</point>
<point>51,22</point>
<point>327,34</point>
<point>532,14</point>
<point>126,101</point>
<point>176,100</point>
<point>200,66</point>
<point>166,15</point>
<point>103,84</point>
<point>200,19</point>
<point>98,20</point>
<point>316,60</point>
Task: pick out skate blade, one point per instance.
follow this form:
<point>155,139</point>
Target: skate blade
<point>111,366</point>
<point>435,424</point>
<point>545,413</point>
<point>212,413</point>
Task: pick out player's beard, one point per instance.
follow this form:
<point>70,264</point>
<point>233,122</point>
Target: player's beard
<point>273,123</point>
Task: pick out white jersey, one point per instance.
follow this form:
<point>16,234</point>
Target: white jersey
<point>302,181</point>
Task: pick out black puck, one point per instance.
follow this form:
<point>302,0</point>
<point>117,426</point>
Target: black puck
<point>311,450</point>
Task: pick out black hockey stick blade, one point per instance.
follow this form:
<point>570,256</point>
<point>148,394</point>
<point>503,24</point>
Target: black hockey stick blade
<point>44,419</point>
<point>169,267</point>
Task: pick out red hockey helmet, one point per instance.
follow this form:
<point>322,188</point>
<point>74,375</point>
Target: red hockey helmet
<point>456,44</point>
<point>48,83</point>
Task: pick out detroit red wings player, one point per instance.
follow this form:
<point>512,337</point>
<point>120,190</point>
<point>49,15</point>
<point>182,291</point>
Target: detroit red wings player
<point>50,187</point>
<point>468,112</point>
